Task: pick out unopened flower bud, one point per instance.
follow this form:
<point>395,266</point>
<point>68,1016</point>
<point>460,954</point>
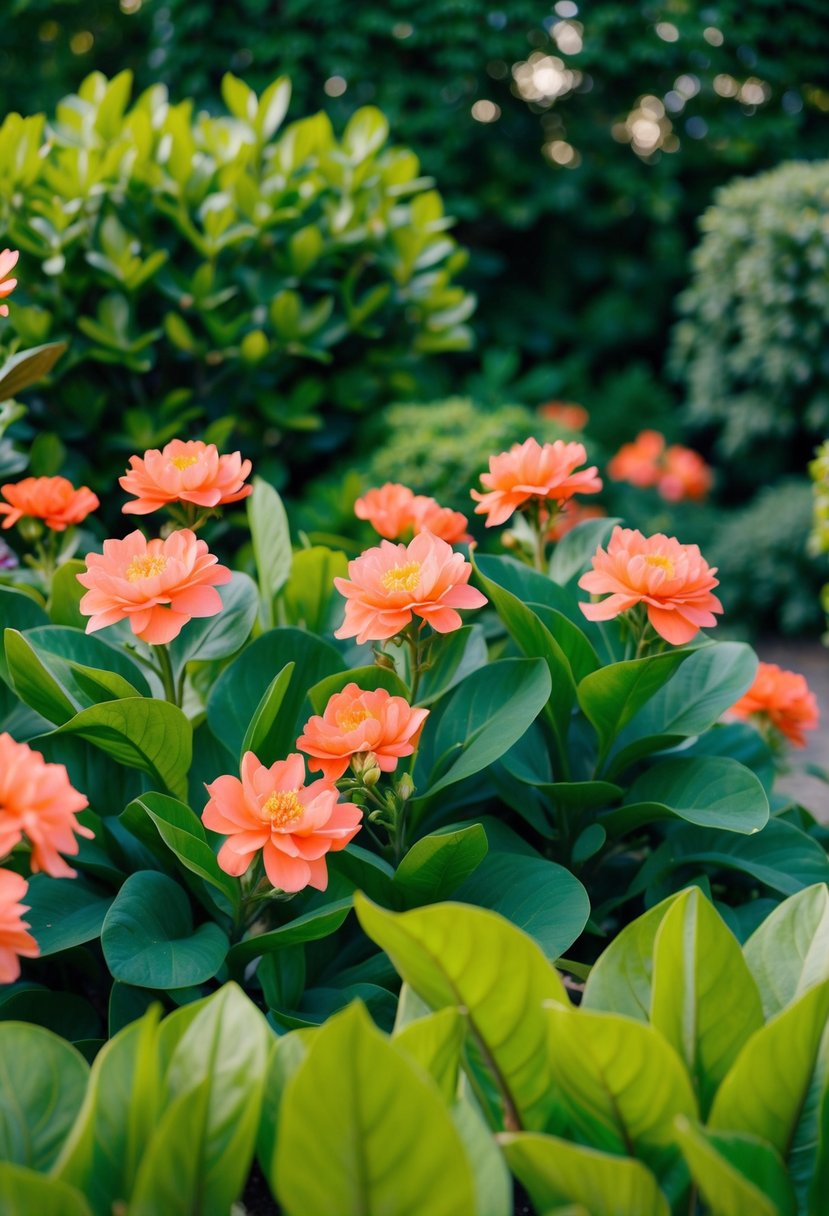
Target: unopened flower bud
<point>384,660</point>
<point>405,787</point>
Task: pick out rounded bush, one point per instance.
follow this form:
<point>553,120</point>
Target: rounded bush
<point>753,347</point>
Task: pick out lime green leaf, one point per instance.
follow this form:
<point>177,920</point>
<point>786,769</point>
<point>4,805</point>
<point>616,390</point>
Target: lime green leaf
<point>354,1077</point>
<point>456,955</point>
<point>736,1174</point>
<point>24,1192</point>
<point>271,539</point>
<point>42,1085</point>
<point>555,1172</point>
<point>620,979</point>
<point>789,953</point>
<point>435,1042</point>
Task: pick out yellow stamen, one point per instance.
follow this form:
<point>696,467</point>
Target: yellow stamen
<point>283,807</point>
<point>402,578</point>
<point>350,719</point>
<point>184,462</point>
<point>662,563</point>
<point>145,566</point>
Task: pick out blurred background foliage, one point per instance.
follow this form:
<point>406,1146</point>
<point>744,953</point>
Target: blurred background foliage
<point>577,146</point>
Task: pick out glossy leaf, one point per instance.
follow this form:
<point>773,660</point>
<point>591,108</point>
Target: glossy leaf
<point>310,927</point>
<point>704,1000</point>
<point>271,544</point>
<point>612,695</point>
<point>620,980</point>
<point>436,865</point>
<point>24,1192</point>
<point>711,791</point>
<point>34,683</point>
<point>149,940</point>
<point>366,678</point>
<point>556,1172</point>
<point>309,597</point>
<point>262,736</point>
<point>20,612</point>
<point>452,954</point>
<point>217,637</point>
<point>66,594</point>
<point>354,1077</point>
<point>453,657</point>
<point>789,952</point>
<point>65,912</point>
<point>736,1174</point>
<point>42,1085</point>
<point>573,554</point>
<point>435,1042</point>
<point>150,735</point>
<point>621,1084</point>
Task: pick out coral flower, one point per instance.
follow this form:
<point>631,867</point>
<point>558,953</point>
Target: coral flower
<point>38,802</point>
<point>8,261</point>
<point>52,499</point>
<point>638,463</point>
<point>783,699</point>
<point>356,721</point>
<point>390,584</point>
<point>156,585</point>
<point>673,581</point>
<point>397,513</point>
<point>184,471</point>
<point>684,475</point>
<point>566,413</point>
<point>293,824</point>
<point>15,942</point>
<point>532,471</point>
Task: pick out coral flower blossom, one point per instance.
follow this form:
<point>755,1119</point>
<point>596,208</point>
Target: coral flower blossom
<point>8,261</point>
<point>184,471</point>
<point>783,699</point>
<point>638,463</point>
<point>397,513</point>
<point>52,499</point>
<point>293,824</point>
<point>684,475</point>
<point>15,942</point>
<point>37,801</point>
<point>156,585</point>
<point>566,413</point>
<point>356,721</point>
<point>390,584</point>
<point>532,471</point>
<point>673,581</point>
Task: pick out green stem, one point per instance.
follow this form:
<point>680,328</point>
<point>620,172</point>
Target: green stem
<point>165,670</point>
<point>413,639</point>
<point>537,529</point>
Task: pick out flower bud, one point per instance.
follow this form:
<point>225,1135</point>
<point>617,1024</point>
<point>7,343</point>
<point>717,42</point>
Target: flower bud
<point>405,787</point>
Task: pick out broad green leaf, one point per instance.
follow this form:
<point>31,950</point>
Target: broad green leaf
<point>286,1055</point>
<point>452,657</point>
<point>182,831</point>
<point>309,596</point>
<point>354,1077</point>
<point>59,642</point>
<point>64,1013</point>
<point>366,678</point>
<point>244,682</point>
<point>435,1042</point>
<point>612,695</point>
<point>621,1083</point>
<point>42,1084</point>
<point>120,1110</point>
<point>736,1174</point>
<point>704,999</point>
<point>20,612</point>
<point>574,643</point>
<point>65,912</point>
<point>621,978</point>
<point>493,1183</point>
<point>66,594</point>
<point>765,1089</point>
<point>27,367</point>
<point>781,857</point>
<point>456,955</point>
<point>24,1192</point>
<point>149,940</point>
<point>365,871</point>
<point>310,927</point>
<point>573,554</point>
<point>34,683</point>
<point>225,1050</point>
<point>711,791</point>
<point>819,1184</point>
<point>554,1172</point>
<point>150,735</point>
<point>169,1177</point>
<point>708,683</point>
<point>271,539</point>
<point>263,729</point>
<point>789,952</point>
<point>542,898</point>
<point>436,865</point>
<point>217,637</point>
<point>483,717</point>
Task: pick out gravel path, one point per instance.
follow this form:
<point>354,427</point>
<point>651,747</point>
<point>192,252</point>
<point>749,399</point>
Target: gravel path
<point>812,660</point>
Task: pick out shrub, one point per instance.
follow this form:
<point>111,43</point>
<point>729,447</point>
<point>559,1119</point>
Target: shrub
<point>753,349</point>
<point>208,267</point>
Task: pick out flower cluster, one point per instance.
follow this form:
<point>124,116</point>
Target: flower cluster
<point>676,472</point>
<point>781,700</point>
<point>397,513</point>
<point>53,500</point>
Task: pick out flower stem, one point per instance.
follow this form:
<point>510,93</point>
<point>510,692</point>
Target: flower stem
<point>165,670</point>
